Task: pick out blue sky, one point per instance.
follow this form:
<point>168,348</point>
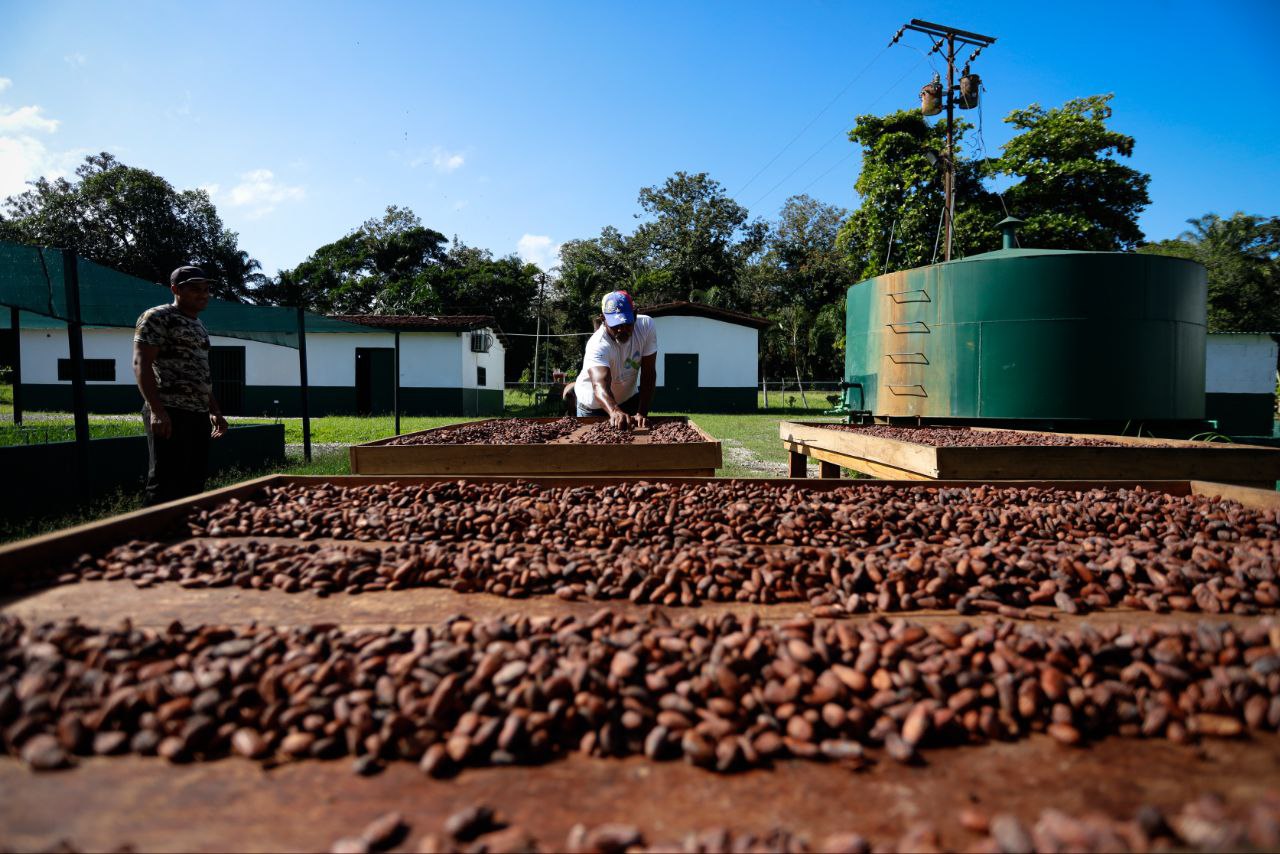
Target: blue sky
<point>517,126</point>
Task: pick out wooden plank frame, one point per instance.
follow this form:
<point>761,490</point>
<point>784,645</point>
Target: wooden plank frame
<point>32,557</point>
<point>1141,458</point>
<point>639,459</point>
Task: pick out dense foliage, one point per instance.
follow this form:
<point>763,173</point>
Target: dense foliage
<point>1242,256</point>
<point>131,220</point>
<point>395,265</point>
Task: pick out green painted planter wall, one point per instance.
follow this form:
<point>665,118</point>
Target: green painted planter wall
<point>1031,334</point>
<point>47,476</point>
<point>1241,414</point>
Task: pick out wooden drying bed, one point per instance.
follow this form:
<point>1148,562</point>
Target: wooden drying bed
<point>1141,458</point>
<point>237,804</point>
<point>641,458</point>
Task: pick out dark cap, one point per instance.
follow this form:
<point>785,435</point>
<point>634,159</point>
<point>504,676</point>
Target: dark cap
<point>186,275</point>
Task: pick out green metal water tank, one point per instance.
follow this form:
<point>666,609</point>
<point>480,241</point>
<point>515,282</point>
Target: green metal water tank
<point>1031,334</point>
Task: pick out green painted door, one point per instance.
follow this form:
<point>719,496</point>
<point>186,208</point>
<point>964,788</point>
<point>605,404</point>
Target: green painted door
<point>375,380</point>
<point>680,380</point>
<point>226,370</point>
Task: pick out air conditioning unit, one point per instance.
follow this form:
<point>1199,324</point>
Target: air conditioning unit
<point>481,342</point>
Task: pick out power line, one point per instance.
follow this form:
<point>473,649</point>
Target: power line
<point>546,334</point>
<point>848,155</point>
<point>820,114</point>
<point>835,136</point>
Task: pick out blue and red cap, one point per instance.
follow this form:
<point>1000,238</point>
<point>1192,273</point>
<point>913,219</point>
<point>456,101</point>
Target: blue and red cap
<point>617,308</point>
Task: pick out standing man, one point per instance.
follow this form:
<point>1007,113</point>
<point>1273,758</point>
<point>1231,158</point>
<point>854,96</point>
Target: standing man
<point>171,365</point>
<point>619,368</point>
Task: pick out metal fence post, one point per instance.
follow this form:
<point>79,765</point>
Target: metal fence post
<point>302,380</point>
<point>17,365</point>
<point>75,345</point>
<point>395,395</point>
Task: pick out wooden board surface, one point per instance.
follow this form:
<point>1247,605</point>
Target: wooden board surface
<point>858,464</point>
<point>236,805</point>
<point>105,603</point>
<point>895,454</point>
<point>20,558</point>
<point>1248,465</point>
<point>563,456</point>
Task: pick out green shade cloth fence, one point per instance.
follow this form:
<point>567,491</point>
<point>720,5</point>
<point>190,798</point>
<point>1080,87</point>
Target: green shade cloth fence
<point>33,279</point>
<point>42,281</point>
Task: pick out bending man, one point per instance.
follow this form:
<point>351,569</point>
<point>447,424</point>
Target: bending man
<point>619,367</point>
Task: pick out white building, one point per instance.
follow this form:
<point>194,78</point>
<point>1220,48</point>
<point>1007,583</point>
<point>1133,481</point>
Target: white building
<point>1240,382</point>
<point>708,358</point>
<point>448,366</point>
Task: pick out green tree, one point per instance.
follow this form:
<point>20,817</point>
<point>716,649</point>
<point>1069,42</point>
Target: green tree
<point>899,224</point>
<point>802,279</point>
<point>695,243</point>
<point>473,281</point>
<point>134,221</point>
<point>697,237</point>
<point>382,266</point>
<point>1242,257</point>
<point>1069,187</point>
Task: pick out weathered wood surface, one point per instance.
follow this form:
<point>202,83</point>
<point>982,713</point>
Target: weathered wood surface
<point>1248,465</point>
<point>642,458</point>
<point>236,805</point>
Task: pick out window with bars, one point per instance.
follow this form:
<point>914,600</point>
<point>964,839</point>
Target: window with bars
<point>95,370</point>
<point>481,376</point>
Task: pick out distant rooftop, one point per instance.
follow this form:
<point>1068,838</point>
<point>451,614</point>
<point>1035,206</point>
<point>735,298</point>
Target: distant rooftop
<point>681,308</point>
<point>426,322</point>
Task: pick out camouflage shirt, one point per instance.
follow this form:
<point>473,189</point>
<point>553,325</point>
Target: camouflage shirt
<point>182,365</point>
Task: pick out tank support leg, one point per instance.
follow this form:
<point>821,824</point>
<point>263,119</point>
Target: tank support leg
<point>829,470</point>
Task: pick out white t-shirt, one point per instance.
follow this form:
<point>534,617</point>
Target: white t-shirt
<point>622,360</point>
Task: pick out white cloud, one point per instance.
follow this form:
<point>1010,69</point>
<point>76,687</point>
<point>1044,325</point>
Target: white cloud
<point>75,60</point>
<point>25,158</point>
<point>23,155</point>
<point>25,118</point>
<point>211,189</point>
<point>538,249</point>
<point>443,161</point>
<point>260,193</point>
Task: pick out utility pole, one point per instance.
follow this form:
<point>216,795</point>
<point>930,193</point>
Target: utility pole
<point>537,333</point>
<point>945,41</point>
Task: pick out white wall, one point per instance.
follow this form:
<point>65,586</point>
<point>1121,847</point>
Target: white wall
<point>1240,364</point>
<point>430,360</point>
<point>427,359</point>
<point>42,348</point>
<point>331,356</point>
<point>494,362</point>
<point>728,355</point>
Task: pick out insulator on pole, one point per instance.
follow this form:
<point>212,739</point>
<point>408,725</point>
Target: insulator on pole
<point>969,85</point>
<point>931,97</point>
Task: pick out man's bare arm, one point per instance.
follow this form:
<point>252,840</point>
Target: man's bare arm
<point>215,418</point>
<point>602,388</point>
<point>144,356</point>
